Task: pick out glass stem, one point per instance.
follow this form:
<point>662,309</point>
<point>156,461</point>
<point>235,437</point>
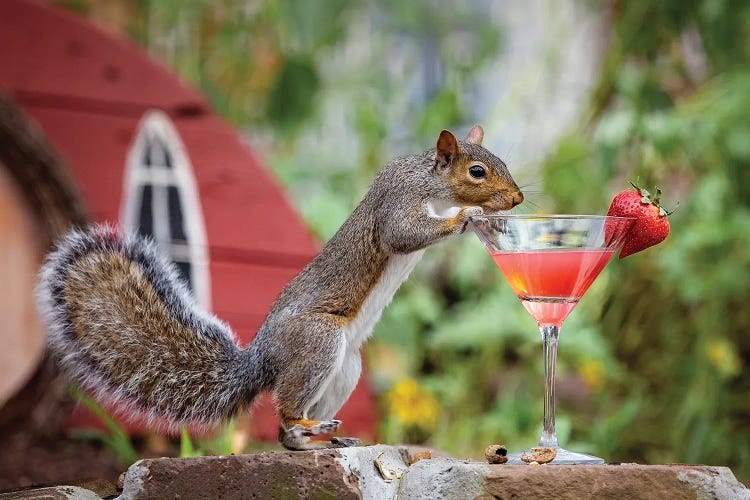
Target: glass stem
<point>550,334</point>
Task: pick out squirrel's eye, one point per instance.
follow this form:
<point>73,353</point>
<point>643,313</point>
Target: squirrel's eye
<point>477,171</point>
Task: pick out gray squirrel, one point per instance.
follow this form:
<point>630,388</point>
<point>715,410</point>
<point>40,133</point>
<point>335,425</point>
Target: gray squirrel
<point>125,328</point>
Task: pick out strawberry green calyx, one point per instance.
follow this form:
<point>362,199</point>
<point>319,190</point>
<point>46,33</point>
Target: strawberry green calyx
<point>648,199</point>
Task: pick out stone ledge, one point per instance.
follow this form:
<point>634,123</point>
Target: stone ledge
<point>352,473</point>
<point>359,473</point>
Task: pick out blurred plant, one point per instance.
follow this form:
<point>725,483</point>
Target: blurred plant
<point>672,107</point>
<point>222,441</point>
<point>116,439</point>
<point>187,448</point>
<point>226,439</point>
<point>411,412</point>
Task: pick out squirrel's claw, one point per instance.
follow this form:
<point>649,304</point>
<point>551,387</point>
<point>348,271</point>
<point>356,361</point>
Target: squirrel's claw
<point>344,442</point>
<point>466,214</point>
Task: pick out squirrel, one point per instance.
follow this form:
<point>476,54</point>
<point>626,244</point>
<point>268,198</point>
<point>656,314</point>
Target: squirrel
<point>126,329</point>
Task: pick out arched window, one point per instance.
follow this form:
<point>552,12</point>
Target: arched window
<point>161,200</point>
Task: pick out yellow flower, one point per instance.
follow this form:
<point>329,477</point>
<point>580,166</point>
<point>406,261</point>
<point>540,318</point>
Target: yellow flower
<point>592,372</point>
<point>723,355</point>
<point>412,405</point>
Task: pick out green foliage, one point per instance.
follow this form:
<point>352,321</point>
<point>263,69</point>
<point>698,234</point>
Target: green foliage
<point>676,314</point>
<point>116,439</point>
<point>187,448</point>
<point>256,61</point>
<point>218,442</point>
<point>293,94</point>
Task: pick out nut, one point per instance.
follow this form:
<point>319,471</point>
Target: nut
<point>496,454</point>
<point>540,455</point>
<point>422,455</point>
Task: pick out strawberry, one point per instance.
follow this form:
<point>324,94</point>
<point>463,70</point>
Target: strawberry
<point>651,225</point>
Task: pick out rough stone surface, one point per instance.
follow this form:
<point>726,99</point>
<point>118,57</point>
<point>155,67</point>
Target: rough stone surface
<point>713,482</point>
<point>612,481</point>
<point>444,478</point>
<point>101,487</point>
<point>315,474</point>
<point>364,475</point>
<point>354,473</point>
<point>51,493</point>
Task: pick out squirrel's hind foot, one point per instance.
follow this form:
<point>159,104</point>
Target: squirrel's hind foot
<point>305,427</point>
<point>295,435</point>
<point>305,443</point>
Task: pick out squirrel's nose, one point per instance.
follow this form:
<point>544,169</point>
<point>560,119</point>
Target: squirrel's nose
<point>517,198</point>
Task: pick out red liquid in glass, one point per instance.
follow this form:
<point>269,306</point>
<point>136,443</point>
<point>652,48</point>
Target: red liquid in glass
<point>550,283</point>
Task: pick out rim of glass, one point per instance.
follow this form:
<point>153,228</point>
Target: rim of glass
<point>550,216</point>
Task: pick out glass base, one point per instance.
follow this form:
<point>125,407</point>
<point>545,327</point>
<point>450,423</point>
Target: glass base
<point>563,457</point>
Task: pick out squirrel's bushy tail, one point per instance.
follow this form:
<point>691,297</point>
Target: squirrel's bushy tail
<point>125,328</point>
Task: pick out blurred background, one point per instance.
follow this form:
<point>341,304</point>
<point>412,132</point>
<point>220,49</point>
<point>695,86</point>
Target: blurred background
<point>578,97</point>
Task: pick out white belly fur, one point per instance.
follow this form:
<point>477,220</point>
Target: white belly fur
<point>396,271</point>
<point>338,386</point>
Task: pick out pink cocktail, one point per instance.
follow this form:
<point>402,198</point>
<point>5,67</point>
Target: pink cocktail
<point>549,283</point>
<point>550,261</point>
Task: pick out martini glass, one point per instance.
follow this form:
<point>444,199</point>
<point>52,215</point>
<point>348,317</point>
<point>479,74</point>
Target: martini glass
<point>550,261</point>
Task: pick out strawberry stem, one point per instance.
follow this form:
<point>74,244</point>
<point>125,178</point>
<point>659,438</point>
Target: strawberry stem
<point>655,200</point>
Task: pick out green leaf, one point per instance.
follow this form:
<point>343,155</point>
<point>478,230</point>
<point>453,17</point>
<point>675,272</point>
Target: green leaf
<point>292,99</point>
<point>187,449</point>
<point>116,439</point>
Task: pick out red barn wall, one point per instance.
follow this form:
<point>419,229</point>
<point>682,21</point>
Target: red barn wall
<point>88,91</point>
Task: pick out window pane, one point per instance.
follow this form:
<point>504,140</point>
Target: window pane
<point>176,222</point>
<point>159,153</point>
<point>166,155</point>
<point>146,159</point>
<point>146,212</point>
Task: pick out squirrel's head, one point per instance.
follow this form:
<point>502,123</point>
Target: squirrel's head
<point>474,175</point>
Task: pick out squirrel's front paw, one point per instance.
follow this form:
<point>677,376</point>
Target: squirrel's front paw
<point>466,213</point>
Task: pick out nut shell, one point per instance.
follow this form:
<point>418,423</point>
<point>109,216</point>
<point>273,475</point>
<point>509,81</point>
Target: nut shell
<point>540,455</point>
<point>422,455</point>
<point>496,454</point>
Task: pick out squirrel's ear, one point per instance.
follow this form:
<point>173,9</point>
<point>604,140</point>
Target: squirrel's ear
<point>475,135</point>
<point>446,150</point>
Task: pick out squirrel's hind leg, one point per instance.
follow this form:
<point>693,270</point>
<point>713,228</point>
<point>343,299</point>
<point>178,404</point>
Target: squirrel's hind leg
<point>309,393</point>
<point>328,404</point>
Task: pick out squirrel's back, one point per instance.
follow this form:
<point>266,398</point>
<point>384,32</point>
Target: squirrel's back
<point>126,328</point>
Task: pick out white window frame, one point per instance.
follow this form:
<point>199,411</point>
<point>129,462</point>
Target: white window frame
<point>156,124</point>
